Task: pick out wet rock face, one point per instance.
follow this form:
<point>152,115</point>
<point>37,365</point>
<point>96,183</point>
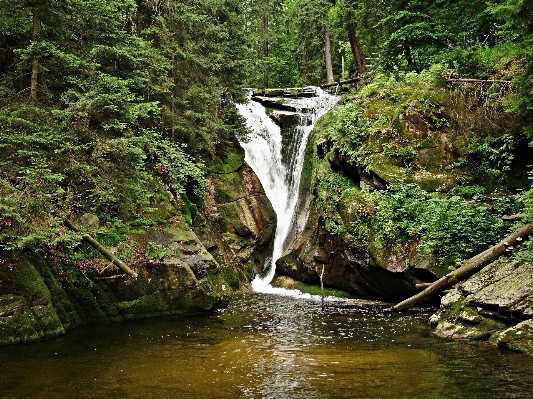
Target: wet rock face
<point>239,221</point>
<point>496,304</point>
<point>345,265</point>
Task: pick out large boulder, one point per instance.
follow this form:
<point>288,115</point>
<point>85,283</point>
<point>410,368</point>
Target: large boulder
<point>495,304</point>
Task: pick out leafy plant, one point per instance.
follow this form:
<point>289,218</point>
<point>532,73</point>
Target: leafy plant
<point>449,227</point>
<point>156,251</point>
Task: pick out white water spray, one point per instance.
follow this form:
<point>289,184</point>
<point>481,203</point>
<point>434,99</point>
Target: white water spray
<point>280,180</point>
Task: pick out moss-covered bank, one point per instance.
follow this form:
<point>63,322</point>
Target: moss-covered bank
<point>189,258</point>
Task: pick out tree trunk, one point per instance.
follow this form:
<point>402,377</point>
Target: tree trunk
<point>102,250</point>
<point>265,46</point>
<point>358,56</point>
<point>468,268</point>
<point>327,50</point>
<point>35,64</point>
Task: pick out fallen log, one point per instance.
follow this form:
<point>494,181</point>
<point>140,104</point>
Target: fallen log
<point>466,80</point>
<point>340,82</point>
<point>512,218</point>
<point>102,250</point>
<point>468,268</point>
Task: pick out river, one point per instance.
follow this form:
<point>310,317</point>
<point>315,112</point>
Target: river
<point>266,346</point>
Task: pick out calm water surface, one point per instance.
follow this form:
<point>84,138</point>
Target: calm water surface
<point>265,346</point>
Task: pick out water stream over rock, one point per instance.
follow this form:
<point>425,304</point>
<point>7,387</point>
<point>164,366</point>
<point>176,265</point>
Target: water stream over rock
<point>275,151</point>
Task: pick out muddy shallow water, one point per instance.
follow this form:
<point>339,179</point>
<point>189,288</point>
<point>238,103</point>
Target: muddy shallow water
<point>266,346</point>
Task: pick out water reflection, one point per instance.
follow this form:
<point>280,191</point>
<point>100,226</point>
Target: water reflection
<point>265,346</point>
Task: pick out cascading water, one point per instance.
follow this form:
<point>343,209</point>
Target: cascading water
<point>278,170</point>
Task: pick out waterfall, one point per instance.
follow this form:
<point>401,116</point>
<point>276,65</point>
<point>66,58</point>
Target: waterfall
<point>278,164</point>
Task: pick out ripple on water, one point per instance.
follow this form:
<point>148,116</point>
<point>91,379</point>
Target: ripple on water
<point>266,346</point>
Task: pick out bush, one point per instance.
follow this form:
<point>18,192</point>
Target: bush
<point>448,227</point>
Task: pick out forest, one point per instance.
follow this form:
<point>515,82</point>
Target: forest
<point>101,99</point>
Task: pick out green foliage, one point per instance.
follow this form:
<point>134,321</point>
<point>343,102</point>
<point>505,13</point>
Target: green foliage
<point>332,187</point>
<point>156,251</point>
<point>190,210</point>
<point>171,162</point>
<point>494,156</point>
<point>349,130</point>
<point>473,61</point>
<point>316,290</point>
<point>474,192</point>
<point>449,227</point>
<point>527,198</point>
<point>130,95</point>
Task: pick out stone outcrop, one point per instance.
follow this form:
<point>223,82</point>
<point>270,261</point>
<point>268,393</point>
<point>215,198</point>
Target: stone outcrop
<point>238,222</point>
<point>364,148</point>
<point>346,265</point>
<point>42,296</point>
<point>496,304</point>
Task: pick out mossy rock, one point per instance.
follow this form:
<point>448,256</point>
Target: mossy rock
<point>17,322</point>
<point>518,338</point>
<point>231,161</point>
<point>458,319</point>
<point>146,306</point>
<point>28,313</point>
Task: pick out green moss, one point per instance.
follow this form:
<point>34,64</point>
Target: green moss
<point>62,303</point>
<point>218,292</point>
<point>518,338</point>
<point>108,239</point>
<point>232,161</point>
<point>230,276</point>
<point>181,233</point>
<point>19,323</point>
<point>145,306</point>
<point>317,290</point>
<point>231,215</point>
<point>309,166</point>
<point>229,187</point>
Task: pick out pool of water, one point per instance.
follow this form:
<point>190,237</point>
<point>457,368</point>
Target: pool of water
<point>266,346</point>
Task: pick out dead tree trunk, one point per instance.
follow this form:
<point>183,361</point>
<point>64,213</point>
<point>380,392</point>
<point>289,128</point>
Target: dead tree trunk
<point>340,82</point>
<point>468,268</point>
<point>35,63</point>
<point>102,250</point>
<point>327,50</point>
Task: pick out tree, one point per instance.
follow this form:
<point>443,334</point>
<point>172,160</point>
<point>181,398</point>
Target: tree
<point>327,55</point>
<point>310,20</point>
<point>346,10</point>
<point>265,44</point>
